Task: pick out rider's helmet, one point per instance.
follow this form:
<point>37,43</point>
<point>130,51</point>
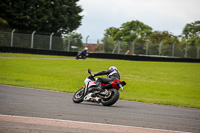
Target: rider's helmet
<point>86,48</point>
<point>113,68</point>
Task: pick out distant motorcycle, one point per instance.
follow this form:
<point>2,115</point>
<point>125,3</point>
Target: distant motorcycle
<point>107,97</point>
<point>81,55</point>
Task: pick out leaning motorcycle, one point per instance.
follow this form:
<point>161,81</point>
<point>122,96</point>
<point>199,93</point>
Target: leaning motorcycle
<point>107,97</point>
<point>81,56</point>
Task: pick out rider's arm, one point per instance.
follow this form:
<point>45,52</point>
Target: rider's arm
<point>102,73</point>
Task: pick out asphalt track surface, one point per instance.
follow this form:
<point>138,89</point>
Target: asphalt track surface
<point>33,110</point>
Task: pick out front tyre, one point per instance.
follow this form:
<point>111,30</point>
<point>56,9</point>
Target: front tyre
<point>112,99</point>
<point>78,96</point>
<point>77,57</point>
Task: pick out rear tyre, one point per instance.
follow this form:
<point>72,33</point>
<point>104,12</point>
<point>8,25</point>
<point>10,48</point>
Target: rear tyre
<point>78,96</point>
<point>112,99</point>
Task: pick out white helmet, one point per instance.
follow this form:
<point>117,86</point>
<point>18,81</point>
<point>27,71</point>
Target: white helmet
<point>113,68</point>
<point>86,48</point>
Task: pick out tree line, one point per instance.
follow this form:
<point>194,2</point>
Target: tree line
<point>44,17</point>
<point>63,17</point>
<point>136,32</point>
<point>58,16</point>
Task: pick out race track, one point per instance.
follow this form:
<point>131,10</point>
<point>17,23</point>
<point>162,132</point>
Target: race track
<point>35,103</point>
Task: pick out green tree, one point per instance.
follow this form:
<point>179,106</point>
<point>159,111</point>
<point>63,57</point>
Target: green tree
<point>109,44</point>
<point>75,42</point>
<point>140,47</point>
<point>191,34</point>
<point>4,24</point>
<point>167,41</point>
<point>134,29</point>
<point>111,32</point>
<point>58,16</point>
<point>192,30</point>
<point>128,31</point>
<point>4,36</point>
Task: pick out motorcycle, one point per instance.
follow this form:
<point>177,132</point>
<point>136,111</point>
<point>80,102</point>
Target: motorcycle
<point>107,97</point>
<point>80,55</point>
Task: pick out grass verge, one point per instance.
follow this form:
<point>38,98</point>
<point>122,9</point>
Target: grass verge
<point>153,82</point>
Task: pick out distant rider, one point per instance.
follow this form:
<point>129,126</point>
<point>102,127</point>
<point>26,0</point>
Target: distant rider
<point>84,52</point>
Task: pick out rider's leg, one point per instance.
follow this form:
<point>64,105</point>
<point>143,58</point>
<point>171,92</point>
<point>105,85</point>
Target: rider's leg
<point>101,80</point>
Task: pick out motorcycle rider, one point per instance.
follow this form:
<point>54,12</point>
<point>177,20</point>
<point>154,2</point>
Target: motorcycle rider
<point>112,74</point>
<point>84,52</point>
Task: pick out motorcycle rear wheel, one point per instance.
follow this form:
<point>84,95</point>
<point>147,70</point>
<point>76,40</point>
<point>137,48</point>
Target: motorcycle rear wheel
<point>112,99</point>
<point>78,96</point>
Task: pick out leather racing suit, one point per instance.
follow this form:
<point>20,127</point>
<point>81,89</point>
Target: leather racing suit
<point>111,75</point>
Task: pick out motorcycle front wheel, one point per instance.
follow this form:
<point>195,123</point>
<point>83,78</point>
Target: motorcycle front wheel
<point>77,57</point>
<point>111,99</point>
<point>78,96</point>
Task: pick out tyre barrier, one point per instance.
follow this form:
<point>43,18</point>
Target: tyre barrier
<point>96,55</point>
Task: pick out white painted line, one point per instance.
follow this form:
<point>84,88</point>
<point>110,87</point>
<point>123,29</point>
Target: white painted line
<point>82,125</point>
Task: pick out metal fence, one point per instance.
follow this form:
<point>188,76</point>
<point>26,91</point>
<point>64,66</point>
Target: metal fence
<point>148,48</point>
<point>53,42</point>
<point>33,40</point>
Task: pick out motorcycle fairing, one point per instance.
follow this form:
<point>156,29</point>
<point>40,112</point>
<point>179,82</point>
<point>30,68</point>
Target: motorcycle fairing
<point>114,84</point>
<point>92,84</point>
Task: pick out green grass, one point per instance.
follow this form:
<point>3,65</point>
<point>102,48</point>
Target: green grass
<point>166,83</point>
